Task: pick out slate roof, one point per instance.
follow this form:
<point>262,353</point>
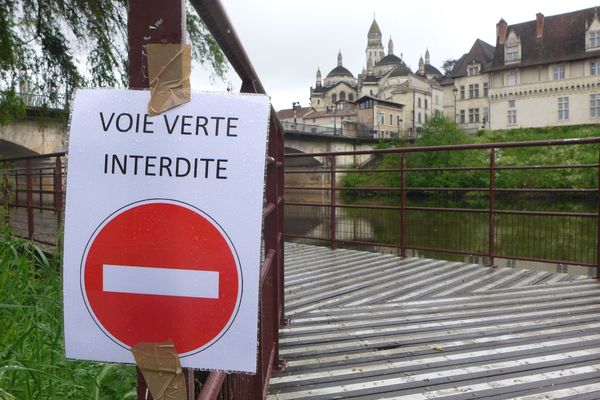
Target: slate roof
<point>339,71</point>
<point>400,70</point>
<point>390,59</point>
<point>430,69</point>
<point>480,52</point>
<point>371,78</point>
<point>563,39</point>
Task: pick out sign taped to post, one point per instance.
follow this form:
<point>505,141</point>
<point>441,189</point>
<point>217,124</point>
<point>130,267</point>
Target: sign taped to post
<point>163,227</point>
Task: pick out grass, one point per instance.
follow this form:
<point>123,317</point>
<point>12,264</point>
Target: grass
<point>32,360</point>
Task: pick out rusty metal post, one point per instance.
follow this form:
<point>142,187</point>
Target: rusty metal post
<point>598,223</point>
<point>332,203</point>
<point>58,189</point>
<point>5,193</point>
<point>403,229</point>
<point>492,206</point>
<point>152,21</point>
<point>29,193</point>
<point>41,187</point>
<point>16,187</point>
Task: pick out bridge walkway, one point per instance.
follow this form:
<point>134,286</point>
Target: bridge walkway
<point>377,326</point>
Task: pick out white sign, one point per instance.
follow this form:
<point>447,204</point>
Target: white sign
<point>163,227</point>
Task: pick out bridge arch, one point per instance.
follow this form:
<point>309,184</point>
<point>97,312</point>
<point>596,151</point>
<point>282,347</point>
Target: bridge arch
<point>33,135</point>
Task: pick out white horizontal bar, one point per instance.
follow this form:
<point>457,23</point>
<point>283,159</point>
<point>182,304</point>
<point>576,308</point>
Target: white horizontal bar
<point>160,281</point>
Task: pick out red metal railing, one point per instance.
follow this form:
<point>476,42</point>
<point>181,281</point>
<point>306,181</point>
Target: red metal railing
<point>403,216</point>
<point>33,195</point>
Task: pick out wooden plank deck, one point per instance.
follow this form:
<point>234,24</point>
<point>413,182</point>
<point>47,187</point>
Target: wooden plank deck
<point>376,326</point>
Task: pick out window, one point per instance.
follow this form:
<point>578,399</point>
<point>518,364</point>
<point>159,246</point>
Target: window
<point>391,119</point>
<point>563,108</point>
<point>512,48</point>
<point>426,104</point>
<point>351,96</point>
<point>559,72</point>
<point>510,78</point>
<point>512,117</point>
<point>419,102</point>
<point>473,115</point>
<point>511,114</point>
<point>486,115</point>
<point>512,53</point>
<point>381,118</point>
<point>595,105</point>
<point>486,89</point>
<point>462,116</point>
<point>334,98</point>
<point>595,68</point>
<point>342,95</point>
<point>462,92</point>
<point>472,70</point>
<point>419,118</point>
<point>474,91</point>
<point>594,38</point>
<point>437,100</point>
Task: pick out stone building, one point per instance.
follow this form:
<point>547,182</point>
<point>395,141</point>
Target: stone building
<point>543,72</point>
<point>385,77</point>
<point>466,90</point>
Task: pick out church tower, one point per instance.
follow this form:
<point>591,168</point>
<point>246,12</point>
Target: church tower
<point>374,51</point>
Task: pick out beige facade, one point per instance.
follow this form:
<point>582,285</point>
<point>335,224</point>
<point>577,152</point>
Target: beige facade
<point>544,72</point>
<point>537,99</point>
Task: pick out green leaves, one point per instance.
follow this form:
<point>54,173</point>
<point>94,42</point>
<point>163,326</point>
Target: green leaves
<point>51,47</point>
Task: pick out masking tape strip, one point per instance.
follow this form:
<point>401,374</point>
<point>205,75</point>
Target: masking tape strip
<point>169,68</point>
<point>159,363</point>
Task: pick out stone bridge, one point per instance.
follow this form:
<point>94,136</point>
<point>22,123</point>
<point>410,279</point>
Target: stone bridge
<point>42,131</point>
<point>297,141</point>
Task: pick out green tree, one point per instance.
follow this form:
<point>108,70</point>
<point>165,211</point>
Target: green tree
<point>55,46</point>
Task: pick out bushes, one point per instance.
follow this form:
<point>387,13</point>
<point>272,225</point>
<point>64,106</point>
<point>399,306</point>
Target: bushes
<point>440,131</point>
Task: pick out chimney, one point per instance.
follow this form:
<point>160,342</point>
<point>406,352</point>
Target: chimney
<point>539,25</point>
<point>501,31</point>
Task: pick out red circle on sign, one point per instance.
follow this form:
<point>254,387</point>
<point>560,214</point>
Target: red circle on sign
<point>147,240</point>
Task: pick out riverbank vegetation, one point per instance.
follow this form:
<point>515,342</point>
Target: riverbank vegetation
<point>32,360</point>
<point>441,131</point>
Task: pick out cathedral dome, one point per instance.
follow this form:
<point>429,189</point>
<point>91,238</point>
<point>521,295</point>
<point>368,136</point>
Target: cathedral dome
<point>400,70</point>
<point>390,59</point>
<point>339,71</point>
<point>431,70</point>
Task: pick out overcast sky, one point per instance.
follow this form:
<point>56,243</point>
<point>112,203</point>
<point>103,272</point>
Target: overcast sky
<point>287,40</point>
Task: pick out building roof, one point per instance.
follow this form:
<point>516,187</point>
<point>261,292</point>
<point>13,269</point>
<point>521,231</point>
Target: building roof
<point>390,59</point>
<point>380,101</point>
<point>374,28</point>
<point>289,112</point>
<point>430,69</point>
<point>563,39</point>
<point>370,79</point>
<point>339,71</point>
<point>400,70</point>
<point>481,52</point>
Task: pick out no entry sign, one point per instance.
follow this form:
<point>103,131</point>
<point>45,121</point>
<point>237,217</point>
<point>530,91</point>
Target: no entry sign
<point>162,230</point>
